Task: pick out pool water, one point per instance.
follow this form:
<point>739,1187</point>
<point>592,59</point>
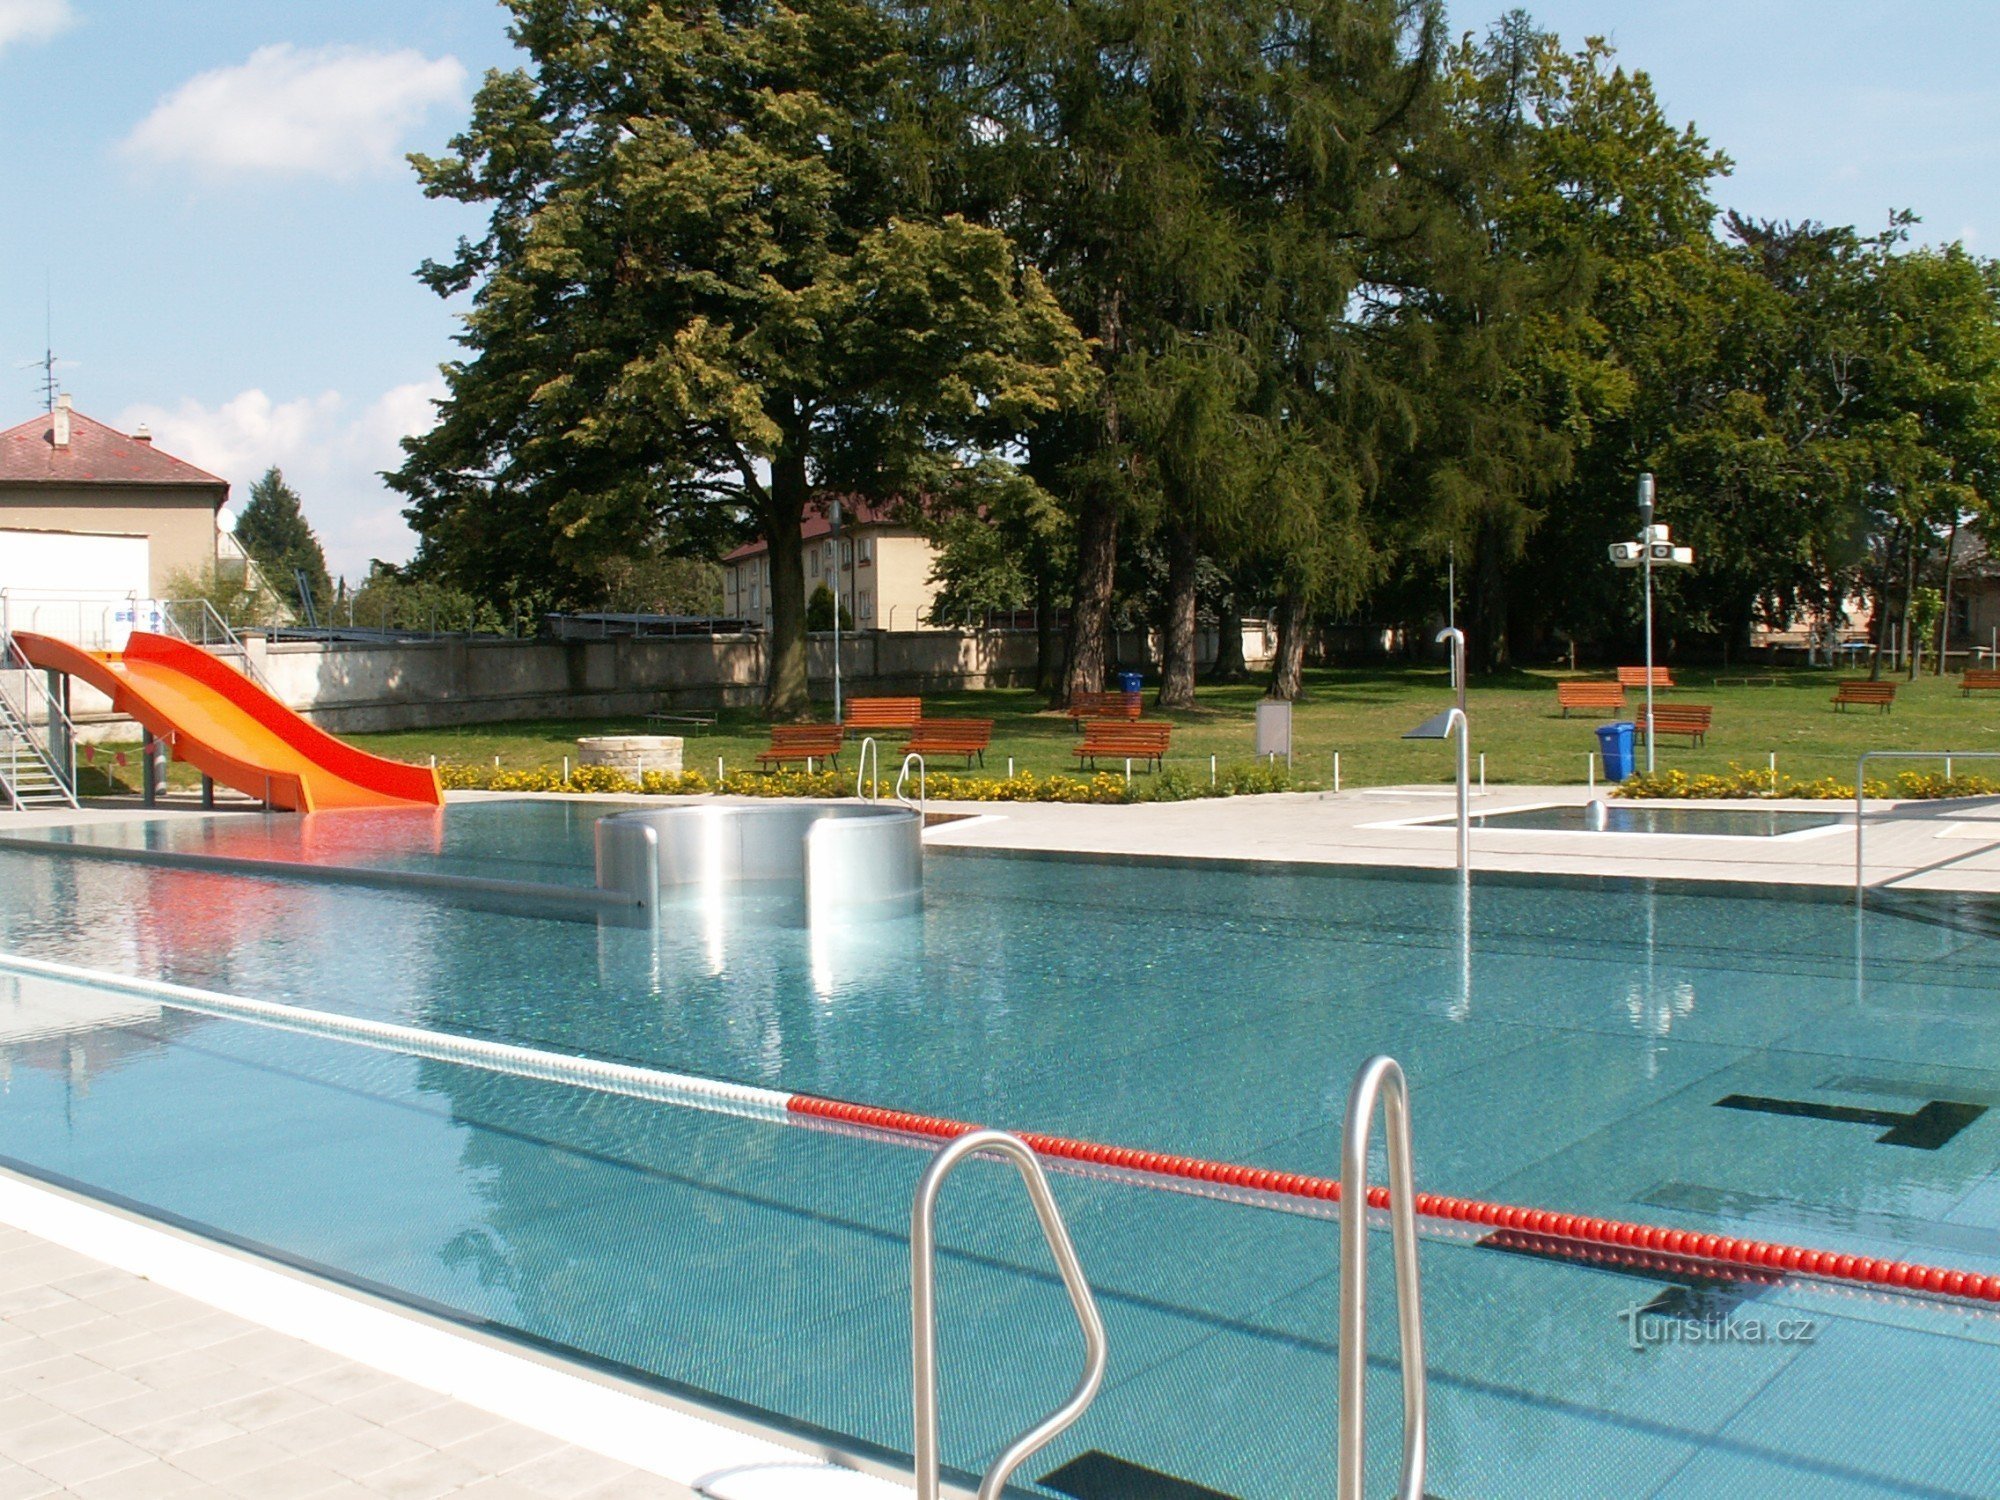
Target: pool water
<point>1568,1046</point>
<point>1617,817</point>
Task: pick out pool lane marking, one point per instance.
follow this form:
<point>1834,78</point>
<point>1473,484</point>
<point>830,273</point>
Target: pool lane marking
<point>636,1082</point>
<point>749,1101</point>
<point>1926,1129</point>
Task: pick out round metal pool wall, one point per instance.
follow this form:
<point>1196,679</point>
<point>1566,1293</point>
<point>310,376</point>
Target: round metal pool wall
<point>821,859</point>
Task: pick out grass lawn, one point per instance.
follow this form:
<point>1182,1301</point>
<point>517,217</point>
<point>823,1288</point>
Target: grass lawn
<point>1360,713</point>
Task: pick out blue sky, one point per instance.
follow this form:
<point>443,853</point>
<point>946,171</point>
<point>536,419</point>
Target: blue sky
<point>213,194</point>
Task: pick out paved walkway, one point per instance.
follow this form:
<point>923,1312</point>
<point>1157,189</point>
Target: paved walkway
<point>113,1388</point>
<point>1913,845</point>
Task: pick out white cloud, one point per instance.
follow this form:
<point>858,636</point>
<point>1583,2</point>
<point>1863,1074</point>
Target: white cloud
<point>332,453</point>
<point>33,20</point>
<point>333,111</point>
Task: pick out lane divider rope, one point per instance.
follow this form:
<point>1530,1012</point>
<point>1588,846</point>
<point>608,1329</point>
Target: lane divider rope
<point>631,1080</point>
<point>1757,1260</point>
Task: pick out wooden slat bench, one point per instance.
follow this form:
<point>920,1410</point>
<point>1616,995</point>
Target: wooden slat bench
<point>1690,719</point>
<point>802,743</point>
<point>1123,739</point>
<point>1979,680</point>
<point>1635,677</point>
<point>1114,705</point>
<point>1598,697</point>
<point>1861,690</point>
<point>883,713</point>
<point>934,737</point>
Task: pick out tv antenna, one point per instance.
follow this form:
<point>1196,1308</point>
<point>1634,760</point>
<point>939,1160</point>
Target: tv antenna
<point>48,387</point>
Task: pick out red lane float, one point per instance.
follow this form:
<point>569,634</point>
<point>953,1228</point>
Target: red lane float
<point>1759,1259</point>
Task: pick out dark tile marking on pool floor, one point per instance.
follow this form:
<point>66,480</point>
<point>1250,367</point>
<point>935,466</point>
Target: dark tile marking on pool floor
<point>1098,1475</point>
<point>1926,1129</point>
<point>1760,1213</point>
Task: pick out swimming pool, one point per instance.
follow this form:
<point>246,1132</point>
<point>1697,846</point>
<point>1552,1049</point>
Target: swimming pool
<point>1624,817</point>
<point>1569,1045</point>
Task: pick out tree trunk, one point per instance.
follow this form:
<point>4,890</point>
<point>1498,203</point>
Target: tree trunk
<point>1090,608</point>
<point>1944,617</point>
<point>1881,621</point>
<point>1179,641</point>
<point>786,694</point>
<point>1288,666</point>
<point>1486,640</point>
<point>1047,643</point>
<point>1910,607</point>
<point>1229,663</point>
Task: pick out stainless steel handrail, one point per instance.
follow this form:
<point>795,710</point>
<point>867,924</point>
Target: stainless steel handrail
<point>922,804</point>
<point>1379,1078</point>
<point>227,632</point>
<point>1860,784</point>
<point>870,751</point>
<point>923,1311</point>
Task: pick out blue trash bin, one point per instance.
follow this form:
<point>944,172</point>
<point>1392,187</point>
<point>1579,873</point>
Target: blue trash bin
<point>1131,682</point>
<point>1614,741</point>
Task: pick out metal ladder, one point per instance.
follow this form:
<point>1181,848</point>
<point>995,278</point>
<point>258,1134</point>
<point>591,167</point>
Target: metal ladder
<point>34,772</point>
<point>923,1311</point>
<point>1380,1079</point>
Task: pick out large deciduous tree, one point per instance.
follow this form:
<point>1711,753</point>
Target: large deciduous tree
<point>710,283</point>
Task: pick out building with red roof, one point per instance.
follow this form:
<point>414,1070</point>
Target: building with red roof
<point>882,573</point>
<point>63,472</point>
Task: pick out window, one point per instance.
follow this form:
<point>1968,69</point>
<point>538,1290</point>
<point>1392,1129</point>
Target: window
<point>812,561</point>
<point>756,595</point>
<point>863,605</point>
<point>867,550</point>
<point>828,549</point>
<point>847,554</point>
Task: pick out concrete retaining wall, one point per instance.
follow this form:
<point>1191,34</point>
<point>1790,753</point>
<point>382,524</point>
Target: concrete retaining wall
<point>355,689</point>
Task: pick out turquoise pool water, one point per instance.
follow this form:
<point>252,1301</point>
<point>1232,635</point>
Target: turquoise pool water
<point>1569,1046</point>
<point>1727,822</point>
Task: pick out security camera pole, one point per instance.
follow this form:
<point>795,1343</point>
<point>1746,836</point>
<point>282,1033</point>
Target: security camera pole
<point>1645,532</point>
<point>1654,545</point>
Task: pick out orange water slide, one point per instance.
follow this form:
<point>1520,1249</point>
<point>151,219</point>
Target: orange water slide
<point>223,724</point>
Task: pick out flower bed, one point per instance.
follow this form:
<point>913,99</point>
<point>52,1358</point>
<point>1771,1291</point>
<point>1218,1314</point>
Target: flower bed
<point>1747,781</point>
<point>1171,785</point>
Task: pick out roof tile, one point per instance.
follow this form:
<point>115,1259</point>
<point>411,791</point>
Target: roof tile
<point>96,454</point>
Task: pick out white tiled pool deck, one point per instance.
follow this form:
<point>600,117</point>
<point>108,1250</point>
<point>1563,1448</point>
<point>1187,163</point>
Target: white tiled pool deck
<point>1910,845</point>
<point>115,1388</point>
<point>113,1385</point>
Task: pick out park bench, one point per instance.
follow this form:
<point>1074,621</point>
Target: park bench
<point>934,737</point>
<point>1978,679</point>
<point>1114,705</point>
<point>1690,719</point>
<point>805,743</point>
<point>883,713</point>
<point>1861,690</point>
<point>693,720</point>
<point>1124,739</point>
<point>1598,697</point>
<point>1635,677</point>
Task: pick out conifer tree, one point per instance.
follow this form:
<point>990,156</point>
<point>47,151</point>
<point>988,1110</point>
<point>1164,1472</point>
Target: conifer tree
<point>274,531</point>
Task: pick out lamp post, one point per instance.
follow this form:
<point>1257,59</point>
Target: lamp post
<point>1654,546</point>
<point>834,516</point>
